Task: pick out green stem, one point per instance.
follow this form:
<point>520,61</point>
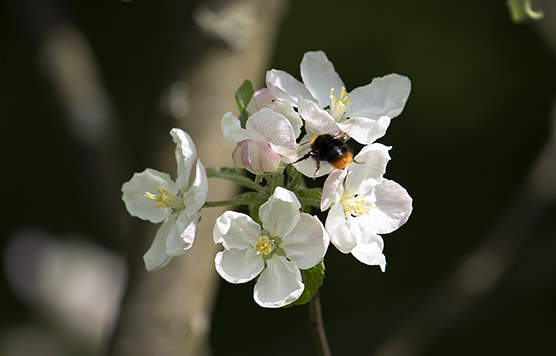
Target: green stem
<point>212,204</point>
<point>239,179</point>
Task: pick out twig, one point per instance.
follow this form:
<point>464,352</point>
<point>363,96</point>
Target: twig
<point>317,327</point>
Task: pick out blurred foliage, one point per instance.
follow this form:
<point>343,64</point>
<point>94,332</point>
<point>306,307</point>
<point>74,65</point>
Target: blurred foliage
<point>523,10</point>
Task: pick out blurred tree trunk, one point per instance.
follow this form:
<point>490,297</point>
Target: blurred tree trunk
<point>168,312</point>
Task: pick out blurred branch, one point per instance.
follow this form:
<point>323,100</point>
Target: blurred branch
<point>480,272</point>
<point>65,59</point>
<point>168,312</point>
<point>316,325</point>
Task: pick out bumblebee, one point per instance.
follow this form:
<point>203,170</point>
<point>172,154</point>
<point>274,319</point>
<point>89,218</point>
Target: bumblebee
<point>332,149</point>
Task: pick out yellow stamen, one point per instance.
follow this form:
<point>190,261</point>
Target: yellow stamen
<point>355,206</point>
<point>264,246</point>
<point>338,107</point>
<point>166,199</point>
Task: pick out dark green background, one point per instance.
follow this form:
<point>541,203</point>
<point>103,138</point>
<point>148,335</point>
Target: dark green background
<point>478,113</point>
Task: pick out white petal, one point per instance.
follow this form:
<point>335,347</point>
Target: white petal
<point>308,167</point>
<point>332,189</point>
<point>370,254</point>
<point>267,126</point>
<point>366,174</point>
<point>186,155</point>
<point>284,86</point>
<point>286,109</point>
<point>196,196</point>
<point>238,266</point>
<point>336,226</point>
<point>260,99</point>
<point>263,158</point>
<point>175,243</point>
<point>319,76</point>
<point>138,204</point>
<point>231,128</point>
<point>279,284</point>
<point>190,233</point>
<point>364,130</point>
<point>318,118</point>
<point>394,207</point>
<point>156,257</point>
<point>306,245</point>
<point>280,213</point>
<point>236,230</point>
<point>384,96</point>
<point>182,235</point>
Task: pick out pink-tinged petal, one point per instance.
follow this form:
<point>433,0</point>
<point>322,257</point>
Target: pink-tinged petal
<point>196,196</point>
<point>256,156</point>
<point>318,118</point>
<point>156,257</point>
<point>279,284</point>
<point>306,245</point>
<point>137,204</point>
<point>370,254</point>
<point>286,109</point>
<point>319,76</point>
<point>385,96</point>
<point>364,130</point>
<point>236,230</point>
<point>262,157</point>
<point>366,174</point>
<point>238,266</point>
<point>174,242</point>
<point>394,207</point>
<point>332,189</point>
<point>240,156</point>
<point>338,230</point>
<point>267,126</point>
<point>285,87</point>
<point>280,213</point>
<point>231,128</point>
<point>190,233</point>
<point>186,155</point>
<point>260,99</point>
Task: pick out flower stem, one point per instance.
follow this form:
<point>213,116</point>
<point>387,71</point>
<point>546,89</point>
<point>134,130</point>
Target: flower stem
<point>212,204</point>
<point>317,327</point>
<point>232,176</point>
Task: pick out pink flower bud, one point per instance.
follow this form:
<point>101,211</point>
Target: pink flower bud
<point>255,156</point>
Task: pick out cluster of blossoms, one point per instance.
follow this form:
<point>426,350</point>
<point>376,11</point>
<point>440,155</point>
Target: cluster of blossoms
<point>285,131</point>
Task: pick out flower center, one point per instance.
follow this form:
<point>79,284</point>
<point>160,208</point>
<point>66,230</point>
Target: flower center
<point>166,199</point>
<point>339,106</point>
<point>265,245</point>
<point>355,206</point>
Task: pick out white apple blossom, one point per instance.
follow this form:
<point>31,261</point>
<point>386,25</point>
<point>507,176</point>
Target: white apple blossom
<point>287,242</point>
<point>267,139</point>
<point>262,98</point>
<point>364,205</point>
<point>152,195</point>
<point>323,102</point>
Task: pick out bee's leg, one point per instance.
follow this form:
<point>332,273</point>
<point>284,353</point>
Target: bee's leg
<point>354,161</point>
<point>307,155</point>
<point>317,171</point>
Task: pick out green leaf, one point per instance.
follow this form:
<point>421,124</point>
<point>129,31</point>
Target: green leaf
<point>243,97</point>
<point>524,10</point>
<point>309,198</point>
<point>312,278</point>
